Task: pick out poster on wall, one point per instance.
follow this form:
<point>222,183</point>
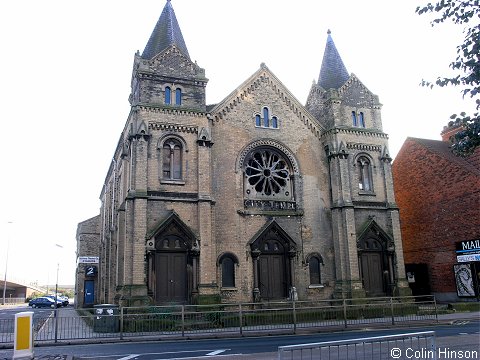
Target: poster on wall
<point>464,280</point>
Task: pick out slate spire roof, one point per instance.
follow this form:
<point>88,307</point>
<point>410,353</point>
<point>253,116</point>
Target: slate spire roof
<point>166,33</point>
<point>333,73</point>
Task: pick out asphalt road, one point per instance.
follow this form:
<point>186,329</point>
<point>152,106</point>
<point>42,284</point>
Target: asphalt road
<point>7,316</point>
<point>455,336</point>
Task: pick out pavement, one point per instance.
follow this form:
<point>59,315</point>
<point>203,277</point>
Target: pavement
<point>442,318</point>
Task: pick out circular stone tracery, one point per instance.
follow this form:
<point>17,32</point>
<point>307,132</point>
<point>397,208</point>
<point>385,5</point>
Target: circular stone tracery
<point>267,173</point>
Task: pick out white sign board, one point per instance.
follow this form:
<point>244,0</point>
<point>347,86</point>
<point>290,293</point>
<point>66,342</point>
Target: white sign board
<point>88,259</point>
<point>468,258</point>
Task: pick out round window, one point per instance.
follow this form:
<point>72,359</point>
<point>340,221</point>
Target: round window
<point>267,174</point>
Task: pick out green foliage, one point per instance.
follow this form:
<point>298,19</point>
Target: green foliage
<point>465,306</point>
<point>467,66</point>
<point>209,299</point>
<point>68,292</point>
<point>468,139</point>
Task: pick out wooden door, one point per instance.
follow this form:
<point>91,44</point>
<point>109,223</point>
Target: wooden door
<point>372,273</point>
<point>171,275</point>
<point>272,277</point>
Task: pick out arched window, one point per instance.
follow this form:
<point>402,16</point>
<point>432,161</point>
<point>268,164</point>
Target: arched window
<point>274,122</point>
<point>364,174</point>
<point>168,95</point>
<point>178,96</point>
<point>258,120</point>
<point>314,266</point>
<point>265,120</point>
<point>361,120</point>
<point>172,160</point>
<point>227,264</point>
<point>354,118</point>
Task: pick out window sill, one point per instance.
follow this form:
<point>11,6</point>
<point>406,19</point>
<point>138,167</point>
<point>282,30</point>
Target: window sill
<point>265,127</point>
<point>228,289</point>
<point>316,286</point>
<point>368,193</point>
<point>172,182</point>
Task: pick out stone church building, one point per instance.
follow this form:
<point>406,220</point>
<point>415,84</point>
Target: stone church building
<point>256,198</point>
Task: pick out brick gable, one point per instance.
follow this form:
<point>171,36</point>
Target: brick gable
<point>439,201</point>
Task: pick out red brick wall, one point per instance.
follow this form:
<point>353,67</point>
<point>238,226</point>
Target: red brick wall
<point>439,204</point>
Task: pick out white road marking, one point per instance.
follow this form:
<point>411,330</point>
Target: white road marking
<point>205,357</point>
<point>216,352</point>
<point>129,357</point>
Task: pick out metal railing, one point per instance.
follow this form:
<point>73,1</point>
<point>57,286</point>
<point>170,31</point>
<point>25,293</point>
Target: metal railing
<point>13,300</point>
<point>404,346</point>
<point>109,321</point>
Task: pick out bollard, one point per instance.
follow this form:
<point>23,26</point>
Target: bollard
<point>23,342</point>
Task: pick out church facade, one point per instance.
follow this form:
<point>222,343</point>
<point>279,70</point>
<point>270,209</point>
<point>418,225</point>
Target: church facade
<point>256,198</point>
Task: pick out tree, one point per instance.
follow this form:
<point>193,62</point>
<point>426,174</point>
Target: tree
<point>466,66</point>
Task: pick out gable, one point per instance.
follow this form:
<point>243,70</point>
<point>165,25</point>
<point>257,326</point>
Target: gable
<point>253,87</point>
<point>372,230</point>
<point>171,62</point>
<point>421,151</point>
<point>89,226</point>
<point>355,94</point>
<point>173,225</point>
<point>272,229</point>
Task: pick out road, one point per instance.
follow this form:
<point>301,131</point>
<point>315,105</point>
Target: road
<point>459,335</point>
<point>39,316</point>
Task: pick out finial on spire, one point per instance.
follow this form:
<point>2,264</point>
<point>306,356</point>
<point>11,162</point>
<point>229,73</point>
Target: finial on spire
<point>333,73</point>
<point>166,33</point>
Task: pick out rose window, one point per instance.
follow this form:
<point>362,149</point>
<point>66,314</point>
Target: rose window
<point>267,174</point>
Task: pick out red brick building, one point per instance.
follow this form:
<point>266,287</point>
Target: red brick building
<point>438,195</point>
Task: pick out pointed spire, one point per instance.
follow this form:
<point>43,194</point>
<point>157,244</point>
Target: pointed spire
<point>166,33</point>
<point>333,73</point>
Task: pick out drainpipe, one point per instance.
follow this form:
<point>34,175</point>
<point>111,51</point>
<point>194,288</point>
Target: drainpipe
<point>111,230</point>
<point>103,245</point>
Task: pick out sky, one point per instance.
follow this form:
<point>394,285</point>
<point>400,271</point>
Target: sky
<point>65,80</point>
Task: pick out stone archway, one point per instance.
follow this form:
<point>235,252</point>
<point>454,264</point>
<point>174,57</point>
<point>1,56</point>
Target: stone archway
<point>376,259</point>
<point>172,254</point>
<point>273,253</point>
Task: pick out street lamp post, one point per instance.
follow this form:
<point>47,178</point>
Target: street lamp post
<point>56,282</point>
<point>6,268</point>
<point>56,296</point>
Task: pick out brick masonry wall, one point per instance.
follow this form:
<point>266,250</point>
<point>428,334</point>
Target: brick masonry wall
<point>88,244</point>
<point>439,205</point>
<point>233,230</point>
<point>223,224</point>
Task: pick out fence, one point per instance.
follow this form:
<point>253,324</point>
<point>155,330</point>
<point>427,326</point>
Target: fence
<point>13,300</point>
<point>175,321</point>
<point>420,345</point>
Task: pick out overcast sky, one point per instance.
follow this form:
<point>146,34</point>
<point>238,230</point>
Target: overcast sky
<point>66,70</point>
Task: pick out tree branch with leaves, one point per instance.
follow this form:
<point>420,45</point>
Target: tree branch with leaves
<point>466,66</point>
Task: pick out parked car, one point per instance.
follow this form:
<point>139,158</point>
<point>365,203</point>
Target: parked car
<point>42,301</point>
<point>59,300</point>
<point>64,299</point>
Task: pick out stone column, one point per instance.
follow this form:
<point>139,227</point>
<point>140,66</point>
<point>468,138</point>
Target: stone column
<point>134,290</point>
<point>207,285</point>
<point>256,291</point>
<point>348,283</point>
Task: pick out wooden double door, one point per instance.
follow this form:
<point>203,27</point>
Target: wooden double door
<point>373,273</point>
<point>272,276</point>
<point>273,270</point>
<point>171,277</point>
